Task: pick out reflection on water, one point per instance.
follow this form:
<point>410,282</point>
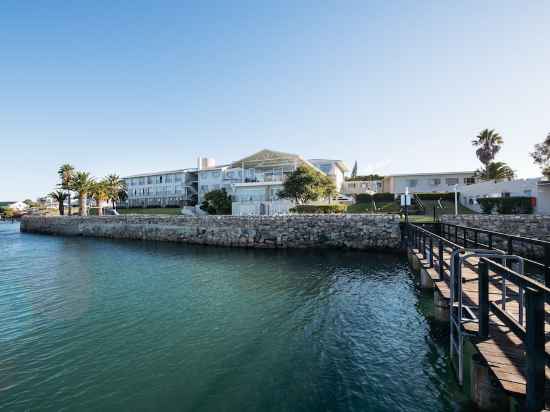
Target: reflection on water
<point>90,324</point>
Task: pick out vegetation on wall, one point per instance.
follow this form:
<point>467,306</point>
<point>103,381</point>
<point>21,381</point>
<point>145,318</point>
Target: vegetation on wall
<point>377,197</point>
<point>507,205</point>
<point>319,209</point>
<point>217,202</point>
<point>364,178</point>
<point>306,184</point>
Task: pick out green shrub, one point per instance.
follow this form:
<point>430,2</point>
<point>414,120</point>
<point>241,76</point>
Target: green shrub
<point>449,196</point>
<point>319,209</point>
<point>507,205</point>
<point>487,204</point>
<point>377,197</point>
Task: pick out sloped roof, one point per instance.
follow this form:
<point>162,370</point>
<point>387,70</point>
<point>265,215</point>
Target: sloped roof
<point>267,158</point>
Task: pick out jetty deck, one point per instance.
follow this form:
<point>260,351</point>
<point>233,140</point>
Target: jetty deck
<point>507,316</point>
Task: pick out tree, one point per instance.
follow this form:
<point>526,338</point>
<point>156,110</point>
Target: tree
<point>116,188</point>
<point>82,183</point>
<point>306,184</point>
<point>100,192</point>
<point>541,156</point>
<point>217,202</point>
<point>496,171</point>
<point>59,196</point>
<point>354,170</point>
<point>488,144</point>
<point>66,173</point>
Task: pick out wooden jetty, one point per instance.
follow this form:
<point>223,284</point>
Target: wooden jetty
<point>493,306</point>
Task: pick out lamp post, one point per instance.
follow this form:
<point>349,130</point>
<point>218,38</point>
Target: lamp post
<point>456,200</point>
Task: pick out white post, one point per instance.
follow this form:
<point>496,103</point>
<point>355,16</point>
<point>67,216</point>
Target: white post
<point>456,200</point>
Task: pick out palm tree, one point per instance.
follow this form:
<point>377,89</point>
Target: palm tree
<point>82,183</point>
<point>488,144</point>
<point>100,192</point>
<point>116,188</point>
<point>59,196</point>
<point>66,173</point>
<point>496,171</point>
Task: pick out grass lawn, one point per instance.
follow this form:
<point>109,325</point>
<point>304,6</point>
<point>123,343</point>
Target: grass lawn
<point>151,211</point>
<point>393,207</point>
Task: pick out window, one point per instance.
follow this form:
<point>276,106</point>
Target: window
<point>177,178</point>
<point>325,168</point>
<point>149,180</point>
<point>412,182</point>
<point>469,180</point>
<point>451,181</point>
<point>436,182</point>
<point>168,179</point>
<point>204,188</point>
<point>160,179</point>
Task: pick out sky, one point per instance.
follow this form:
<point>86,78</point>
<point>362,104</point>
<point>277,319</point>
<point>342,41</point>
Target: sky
<point>133,86</point>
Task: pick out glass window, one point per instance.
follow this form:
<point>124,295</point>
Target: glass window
<point>168,179</point>
<point>204,188</point>
<point>451,181</point>
<point>412,182</point>
<point>469,180</point>
<point>436,182</point>
<point>149,180</point>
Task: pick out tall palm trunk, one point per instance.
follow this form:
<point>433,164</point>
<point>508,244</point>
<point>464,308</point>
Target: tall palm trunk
<point>82,204</point>
<point>61,208</point>
<point>99,208</point>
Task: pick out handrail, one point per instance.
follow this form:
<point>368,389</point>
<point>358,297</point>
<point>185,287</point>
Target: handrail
<point>506,235</point>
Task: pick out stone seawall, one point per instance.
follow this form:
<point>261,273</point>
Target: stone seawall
<point>360,231</point>
<point>531,226</point>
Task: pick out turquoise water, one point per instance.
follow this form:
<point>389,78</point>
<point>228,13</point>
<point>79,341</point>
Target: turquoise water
<point>90,324</point>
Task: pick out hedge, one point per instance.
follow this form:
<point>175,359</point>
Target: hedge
<point>377,197</point>
<point>319,209</point>
<point>450,196</point>
<point>512,205</point>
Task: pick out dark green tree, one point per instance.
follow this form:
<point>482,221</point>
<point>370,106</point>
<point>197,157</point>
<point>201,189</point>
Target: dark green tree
<point>217,202</point>
<point>541,156</point>
<point>354,170</point>
<point>306,184</point>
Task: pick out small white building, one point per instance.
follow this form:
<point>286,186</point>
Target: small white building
<point>357,187</point>
<point>428,182</point>
<point>18,206</point>
<point>469,195</point>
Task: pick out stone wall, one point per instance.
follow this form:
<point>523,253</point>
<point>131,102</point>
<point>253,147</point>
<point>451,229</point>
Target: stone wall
<point>531,226</point>
<point>358,231</point>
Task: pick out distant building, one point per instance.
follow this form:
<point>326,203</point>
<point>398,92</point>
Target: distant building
<point>427,182</point>
<point>357,187</point>
<point>335,169</point>
<point>18,206</point>
<point>174,188</point>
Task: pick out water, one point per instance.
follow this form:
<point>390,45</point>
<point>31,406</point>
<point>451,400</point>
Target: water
<point>90,324</point>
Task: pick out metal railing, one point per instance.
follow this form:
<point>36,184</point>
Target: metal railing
<point>503,242</point>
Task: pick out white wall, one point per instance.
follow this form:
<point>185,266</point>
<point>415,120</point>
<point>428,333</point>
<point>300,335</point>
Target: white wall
<point>255,208</point>
<point>519,187</point>
<point>353,187</point>
<point>426,183</point>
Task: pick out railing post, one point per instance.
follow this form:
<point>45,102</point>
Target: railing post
<point>547,265</point>
<point>465,236</point>
<point>510,251</point>
<point>431,246</point>
<point>424,245</point>
<point>440,258</point>
<point>456,234</point>
<point>476,240</point>
<point>534,345</point>
<point>483,299</point>
<point>455,276</point>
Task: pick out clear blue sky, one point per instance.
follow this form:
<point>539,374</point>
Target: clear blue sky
<point>135,86</point>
